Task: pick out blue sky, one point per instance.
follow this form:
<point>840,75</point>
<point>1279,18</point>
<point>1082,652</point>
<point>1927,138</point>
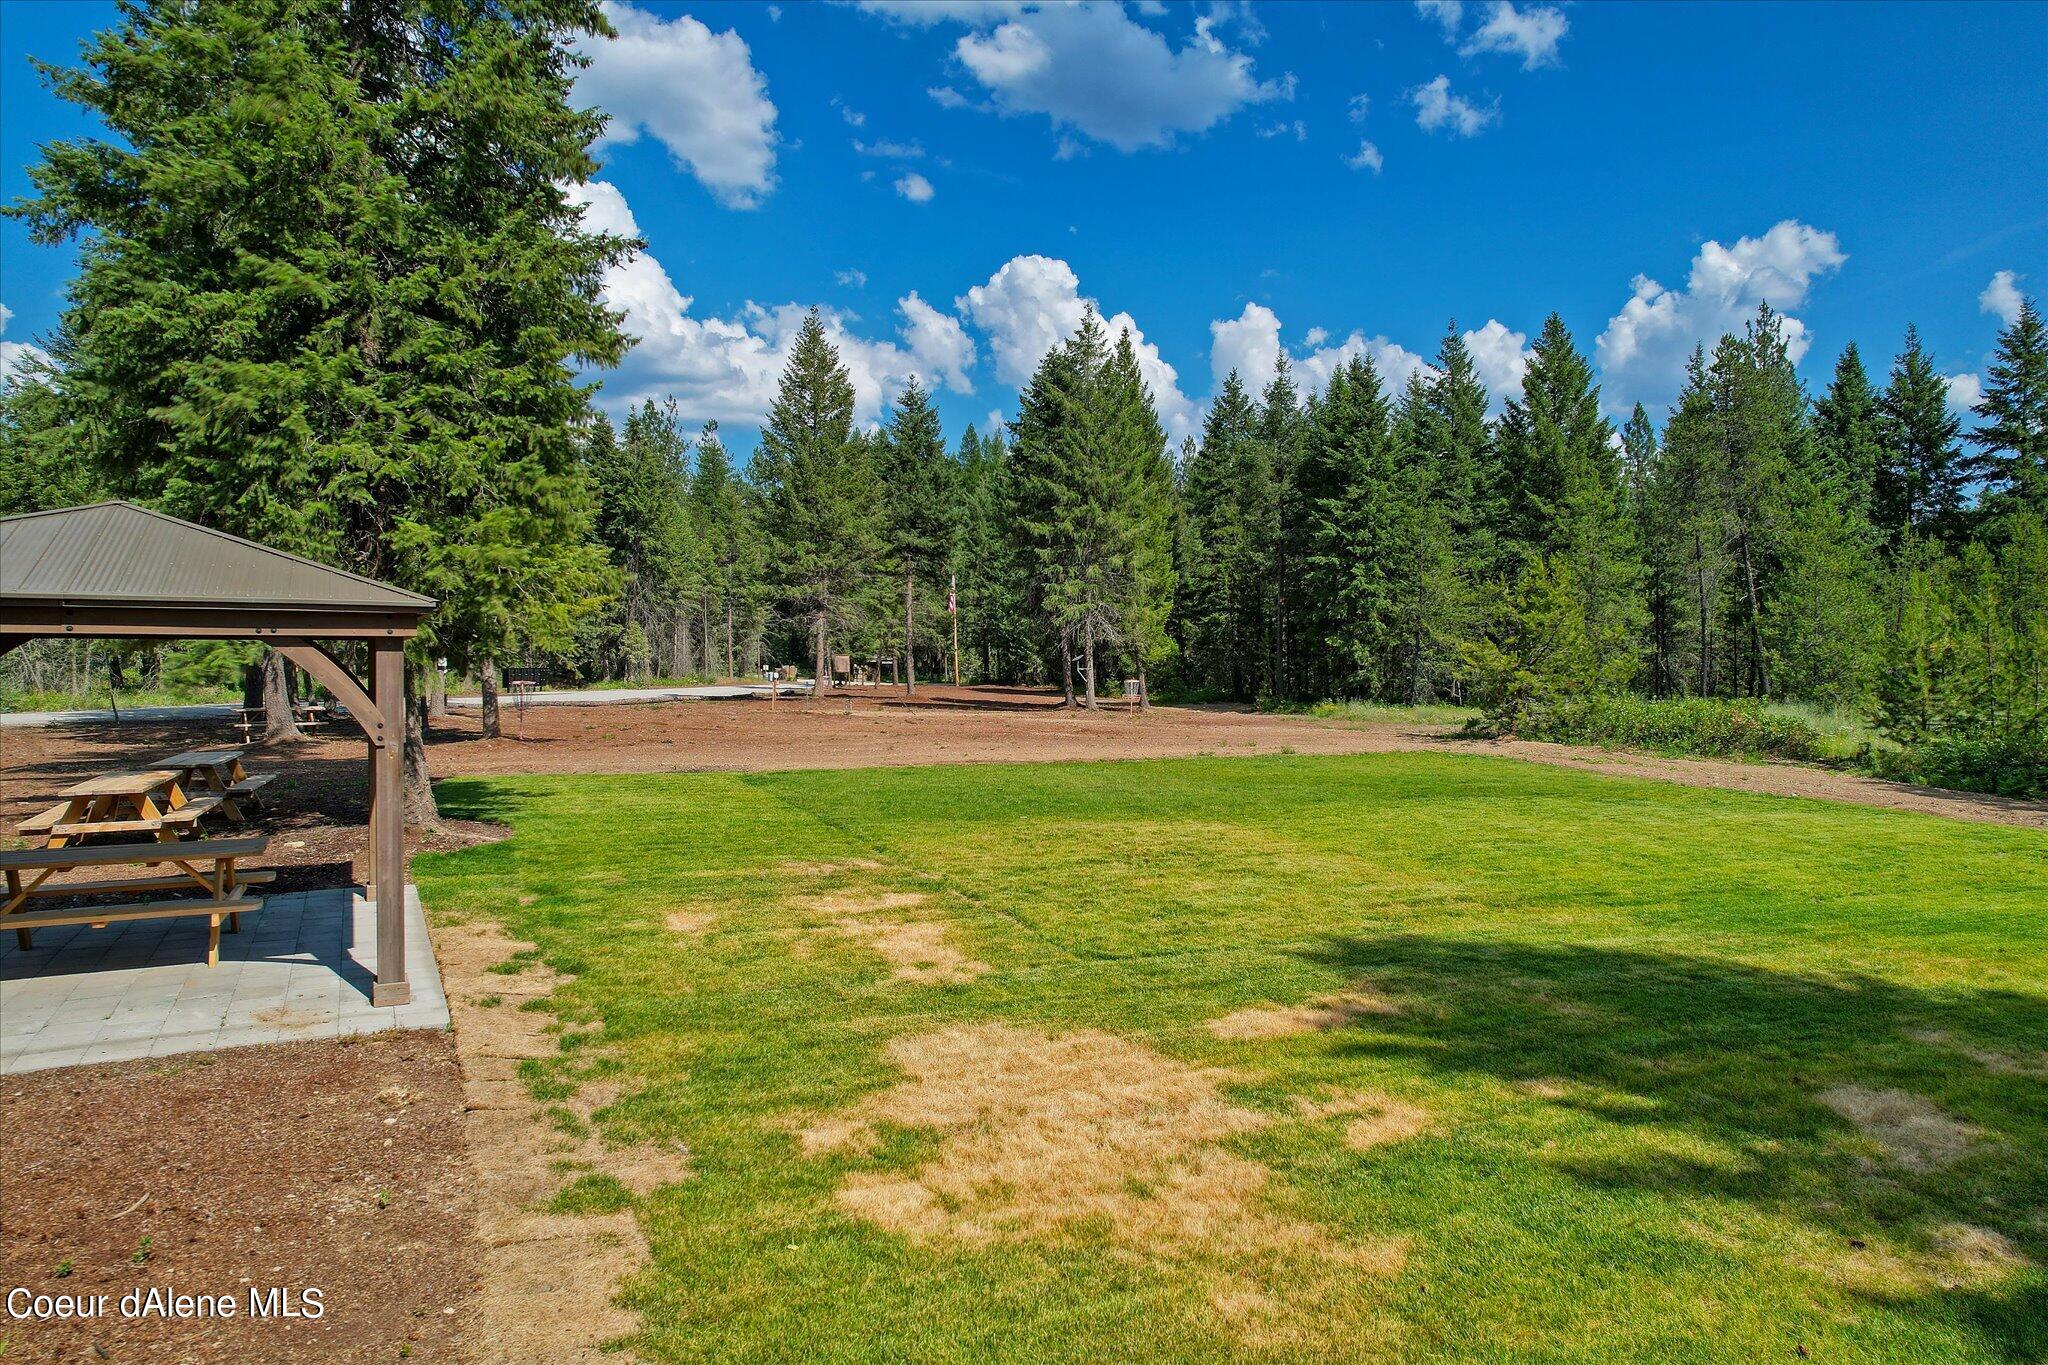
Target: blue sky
<point>949,181</point>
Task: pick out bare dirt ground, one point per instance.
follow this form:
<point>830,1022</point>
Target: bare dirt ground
<point>336,1166</point>
<point>315,808</point>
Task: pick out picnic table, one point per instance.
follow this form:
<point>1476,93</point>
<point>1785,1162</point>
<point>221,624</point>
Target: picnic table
<point>145,801</point>
<point>219,771</point>
<point>211,864</point>
<point>308,714</point>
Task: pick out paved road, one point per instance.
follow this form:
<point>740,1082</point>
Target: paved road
<point>594,696</point>
<point>34,719</point>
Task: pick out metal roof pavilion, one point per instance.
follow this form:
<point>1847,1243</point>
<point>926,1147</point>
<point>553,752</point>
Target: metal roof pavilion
<point>115,570</point>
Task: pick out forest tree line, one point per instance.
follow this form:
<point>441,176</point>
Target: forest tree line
<point>329,300</point>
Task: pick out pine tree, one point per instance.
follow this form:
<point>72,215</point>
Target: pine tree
<point>1223,578</point>
<point>2014,410</point>
<point>1656,534</point>
<point>822,497</point>
<point>918,501</point>
<point>1349,511</point>
<point>1565,500</point>
<point>1468,478</point>
<point>643,518</point>
<point>1920,485</point>
<point>1553,443</point>
<point>1280,432</point>
<point>1847,437</point>
<point>330,296</point>
<point>1143,516</point>
<point>991,580</point>
<point>730,547</point>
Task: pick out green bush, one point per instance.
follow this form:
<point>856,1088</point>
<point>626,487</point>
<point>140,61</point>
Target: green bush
<point>2013,764</point>
<point>1692,725</point>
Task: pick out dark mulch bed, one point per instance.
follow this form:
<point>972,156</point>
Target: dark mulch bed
<point>336,1165</point>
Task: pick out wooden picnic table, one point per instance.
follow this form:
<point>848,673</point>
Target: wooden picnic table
<point>208,863</point>
<point>144,801</point>
<point>219,771</point>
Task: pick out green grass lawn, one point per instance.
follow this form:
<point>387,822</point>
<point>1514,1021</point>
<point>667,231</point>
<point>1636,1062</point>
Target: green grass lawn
<point>1565,1104</point>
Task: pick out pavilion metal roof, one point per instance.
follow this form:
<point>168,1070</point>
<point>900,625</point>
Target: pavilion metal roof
<point>116,554</point>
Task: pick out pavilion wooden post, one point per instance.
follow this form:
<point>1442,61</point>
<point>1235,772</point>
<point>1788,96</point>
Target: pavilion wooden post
<point>387,822</point>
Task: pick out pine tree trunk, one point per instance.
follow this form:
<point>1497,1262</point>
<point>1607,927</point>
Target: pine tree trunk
<point>421,810</point>
<point>1067,665</point>
<point>729,667</point>
<point>1088,660</point>
<point>1760,668</point>
<point>909,626</point>
<point>278,721</point>
<point>824,681</point>
<point>487,680</point>
<point>704,616</point>
<point>437,694</point>
<point>1144,689</point>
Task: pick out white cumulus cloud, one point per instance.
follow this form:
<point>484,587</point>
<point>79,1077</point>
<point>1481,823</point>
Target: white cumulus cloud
<point>1095,70</point>
<point>694,91</point>
<point>1437,108</point>
<point>2002,297</point>
<point>1532,34</point>
<point>1643,350</point>
<point>1965,391</point>
<point>1366,158</point>
<point>727,367</point>
<point>1501,357</point>
<point>16,357</point>
<point>1032,303</point>
<point>1248,344</point>
<point>915,188</point>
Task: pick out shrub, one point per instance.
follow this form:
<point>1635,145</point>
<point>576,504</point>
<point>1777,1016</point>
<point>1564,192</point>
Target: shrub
<point>1692,725</point>
<point>2011,764</point>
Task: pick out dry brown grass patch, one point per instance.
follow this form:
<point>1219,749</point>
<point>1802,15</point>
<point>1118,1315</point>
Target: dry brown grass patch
<point>842,903</point>
<point>573,1262</point>
<point>2000,1063</point>
<point>1311,1016</point>
<point>916,951</point>
<point>802,868</point>
<point>688,922</point>
<point>1040,1134</point>
<point>1910,1129</point>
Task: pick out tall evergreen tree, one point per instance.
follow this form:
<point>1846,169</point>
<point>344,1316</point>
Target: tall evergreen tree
<point>331,294</point>
<point>1227,489</point>
<point>1280,432</point>
<point>1565,499</point>
<point>822,497</point>
<point>1349,511</point>
<point>1847,434</point>
<point>1920,485</point>
<point>2014,411</point>
<point>1143,515</point>
<point>731,550</point>
<point>918,506</point>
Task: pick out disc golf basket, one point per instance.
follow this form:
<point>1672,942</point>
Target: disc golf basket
<point>523,682</point>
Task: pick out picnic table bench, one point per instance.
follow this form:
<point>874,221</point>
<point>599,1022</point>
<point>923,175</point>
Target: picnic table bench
<point>208,863</point>
<point>143,801</point>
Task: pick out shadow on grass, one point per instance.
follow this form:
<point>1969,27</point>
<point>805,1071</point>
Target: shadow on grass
<point>1738,1054</point>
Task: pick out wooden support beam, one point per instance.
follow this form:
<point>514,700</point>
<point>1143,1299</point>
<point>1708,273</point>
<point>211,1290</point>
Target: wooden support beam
<point>316,661</point>
<point>387,830</point>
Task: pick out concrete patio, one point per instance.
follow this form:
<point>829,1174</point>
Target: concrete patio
<point>301,967</point>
